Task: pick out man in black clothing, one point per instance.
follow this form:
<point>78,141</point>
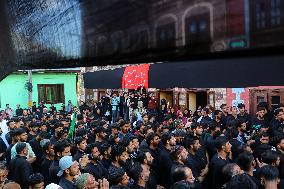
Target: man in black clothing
<point>11,126</point>
<point>36,181</point>
<point>119,157</point>
<point>61,149</point>
<point>183,173</point>
<point>218,119</point>
<point>140,174</point>
<point>69,169</point>
<point>258,122</point>
<point>244,116</point>
<point>196,162</point>
<point>19,110</point>
<point>152,141</point>
<point>219,160</point>
<point>34,107</point>
<point>48,157</point>
<point>58,127</point>
<point>101,134</point>
<point>95,167</point>
<point>206,120</point>
<point>225,114</point>
<point>81,144</point>
<point>35,144</point>
<point>269,177</point>
<point>105,150</point>
<point>247,164</point>
<point>33,131</point>
<point>179,156</point>
<point>19,168</point>
<point>165,160</point>
<point>276,124</point>
<point>145,159</point>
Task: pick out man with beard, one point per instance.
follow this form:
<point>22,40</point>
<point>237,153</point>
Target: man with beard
<point>118,179</point>
<point>119,157</point>
<point>205,118</point>
<point>131,143</point>
<point>241,125</point>
<point>218,119</point>
<point>140,174</point>
<point>169,122</point>
<point>87,181</point>
<point>276,123</point>
<point>125,128</point>
<point>19,168</point>
<point>219,160</point>
<point>165,160</point>
<point>61,149</point>
<point>48,157</point>
<point>11,126</point>
<point>21,136</point>
<point>81,144</point>
<point>152,142</point>
<point>105,150</point>
<point>258,122</point>
<point>95,167</point>
<point>100,135</point>
<point>33,131</point>
<point>35,144</point>
<point>58,127</point>
<point>183,173</point>
<point>69,169</point>
<point>244,116</point>
<point>196,162</point>
<point>179,156</point>
<point>146,159</point>
<point>225,114</point>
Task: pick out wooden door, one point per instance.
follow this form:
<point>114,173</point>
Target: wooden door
<point>198,32</point>
<point>257,96</point>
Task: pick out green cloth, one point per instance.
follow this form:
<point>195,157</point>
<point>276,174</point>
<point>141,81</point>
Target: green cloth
<point>72,126</point>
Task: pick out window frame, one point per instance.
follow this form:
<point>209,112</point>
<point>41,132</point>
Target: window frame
<point>59,96</point>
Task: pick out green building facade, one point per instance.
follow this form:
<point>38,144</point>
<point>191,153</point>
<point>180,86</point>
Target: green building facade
<point>48,87</point>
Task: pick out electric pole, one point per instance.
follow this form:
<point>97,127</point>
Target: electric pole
<point>30,81</point>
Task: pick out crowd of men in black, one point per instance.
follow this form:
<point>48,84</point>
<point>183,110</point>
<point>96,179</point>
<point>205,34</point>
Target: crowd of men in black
<point>226,148</point>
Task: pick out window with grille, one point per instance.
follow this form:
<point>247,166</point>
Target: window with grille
<point>51,93</point>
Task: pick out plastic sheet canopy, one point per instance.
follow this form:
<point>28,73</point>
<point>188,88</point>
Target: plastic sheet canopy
<point>69,33</point>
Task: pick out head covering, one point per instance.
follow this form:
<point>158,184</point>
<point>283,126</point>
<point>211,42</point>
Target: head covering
<point>81,181</point>
<point>64,163</point>
<point>52,186</point>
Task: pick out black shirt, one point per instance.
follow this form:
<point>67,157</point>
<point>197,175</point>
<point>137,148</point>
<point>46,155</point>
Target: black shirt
<point>38,152</point>
<point>44,167</point>
<point>97,170</point>
<point>66,184</point>
<point>215,171</point>
<point>165,164</point>
<point>53,170</point>
<point>20,170</point>
<point>78,155</point>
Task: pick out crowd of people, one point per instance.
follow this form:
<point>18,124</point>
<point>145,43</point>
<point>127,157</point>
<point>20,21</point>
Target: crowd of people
<point>130,141</point>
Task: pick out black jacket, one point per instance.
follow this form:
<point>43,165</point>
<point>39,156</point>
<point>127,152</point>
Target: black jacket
<point>165,165</point>
<point>20,170</point>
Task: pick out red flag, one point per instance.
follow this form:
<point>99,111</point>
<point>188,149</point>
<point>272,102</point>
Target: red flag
<point>135,76</point>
